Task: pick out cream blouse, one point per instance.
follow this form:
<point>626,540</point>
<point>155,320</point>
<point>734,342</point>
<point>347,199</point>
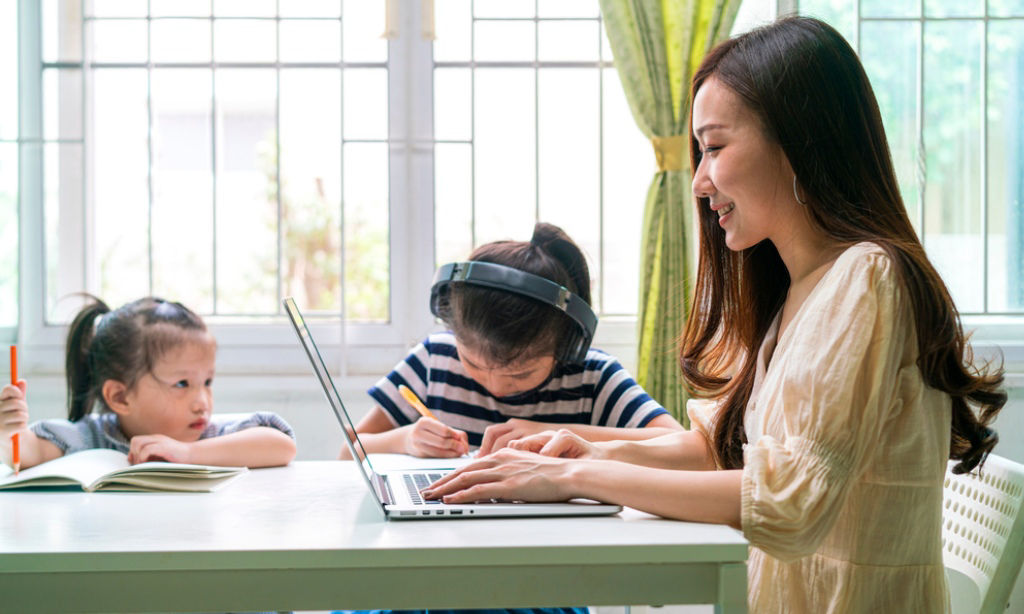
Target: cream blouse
<point>846,453</point>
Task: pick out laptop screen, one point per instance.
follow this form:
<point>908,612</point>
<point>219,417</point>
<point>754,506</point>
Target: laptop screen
<point>351,438</point>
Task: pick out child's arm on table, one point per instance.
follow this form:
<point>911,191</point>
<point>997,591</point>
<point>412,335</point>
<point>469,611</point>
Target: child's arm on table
<point>14,419</point>
<point>259,446</point>
<point>427,438</point>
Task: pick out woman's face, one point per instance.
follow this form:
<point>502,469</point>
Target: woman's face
<point>745,177</point>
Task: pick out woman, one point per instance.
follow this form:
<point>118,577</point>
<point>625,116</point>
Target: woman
<point>840,377</point>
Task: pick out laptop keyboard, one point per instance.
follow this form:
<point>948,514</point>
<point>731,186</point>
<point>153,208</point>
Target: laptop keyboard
<point>414,482</point>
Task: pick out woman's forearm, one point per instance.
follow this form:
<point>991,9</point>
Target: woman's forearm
<point>680,450</point>
<point>699,496</point>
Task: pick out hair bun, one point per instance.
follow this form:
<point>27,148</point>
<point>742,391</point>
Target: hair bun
<point>545,234</point>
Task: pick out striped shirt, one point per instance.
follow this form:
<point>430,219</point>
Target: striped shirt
<point>103,430</point>
<point>599,392</point>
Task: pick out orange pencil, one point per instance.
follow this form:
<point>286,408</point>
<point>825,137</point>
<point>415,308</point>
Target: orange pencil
<point>15,440</point>
<point>411,398</point>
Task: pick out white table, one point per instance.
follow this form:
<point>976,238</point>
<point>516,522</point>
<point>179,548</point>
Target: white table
<point>308,536</point>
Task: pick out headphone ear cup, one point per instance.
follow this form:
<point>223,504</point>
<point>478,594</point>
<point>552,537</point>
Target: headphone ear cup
<point>573,350</point>
<point>439,300</point>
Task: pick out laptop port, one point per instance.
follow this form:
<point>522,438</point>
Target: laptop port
<point>456,512</point>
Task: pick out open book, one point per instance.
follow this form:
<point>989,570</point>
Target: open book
<point>109,470</point>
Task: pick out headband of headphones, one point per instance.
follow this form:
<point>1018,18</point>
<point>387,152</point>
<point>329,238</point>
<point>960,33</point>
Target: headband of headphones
<point>501,277</point>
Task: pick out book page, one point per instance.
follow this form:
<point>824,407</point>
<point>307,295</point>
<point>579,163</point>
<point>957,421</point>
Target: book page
<point>150,481</point>
<point>80,468</point>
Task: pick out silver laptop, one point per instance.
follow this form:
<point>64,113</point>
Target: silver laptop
<point>398,492</point>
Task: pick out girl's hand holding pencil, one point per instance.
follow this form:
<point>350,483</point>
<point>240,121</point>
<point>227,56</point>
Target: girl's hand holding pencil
<point>428,437</point>
<point>13,411</point>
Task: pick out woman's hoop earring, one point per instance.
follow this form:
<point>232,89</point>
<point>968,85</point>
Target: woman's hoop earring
<point>796,195</point>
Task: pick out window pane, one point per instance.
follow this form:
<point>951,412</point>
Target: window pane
<point>123,40</point>
<point>367,252</point>
<point>183,187</point>
<point>453,201</point>
<point>568,41</point>
<point>1005,161</point>
<point>244,40</point>
<point>110,8</point>
<point>311,8</point>
<point>366,103</point>
<point>569,156</point>
<point>953,235</point>
<point>504,41</point>
<point>8,234</point>
<point>568,8</point>
<point>62,104</point>
<point>890,8</point>
<point>840,14</point>
<point>628,169</point>
<point>245,8</point>
<point>453,25</point>
<point>246,205</point>
<point>64,219</point>
<point>179,8</point>
<point>311,188</point>
<point>890,56</point>
<point>363,24</point>
<point>309,40</point>
<point>1006,8</point>
<point>505,154</point>
<point>120,186</point>
<point>9,70</point>
<point>959,8</point>
<point>503,8</point>
<point>181,40</point>
<point>452,103</point>
<point>62,29</point>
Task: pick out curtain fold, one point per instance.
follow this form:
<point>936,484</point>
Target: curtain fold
<point>657,45</point>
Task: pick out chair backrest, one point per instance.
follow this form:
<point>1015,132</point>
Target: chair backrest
<point>983,533</point>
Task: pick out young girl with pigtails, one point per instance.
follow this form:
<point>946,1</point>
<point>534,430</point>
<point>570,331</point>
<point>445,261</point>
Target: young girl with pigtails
<point>148,368</point>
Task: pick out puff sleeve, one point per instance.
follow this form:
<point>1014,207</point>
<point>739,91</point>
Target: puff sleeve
<point>833,382</point>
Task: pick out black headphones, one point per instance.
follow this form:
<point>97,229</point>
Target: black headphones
<point>500,277</point>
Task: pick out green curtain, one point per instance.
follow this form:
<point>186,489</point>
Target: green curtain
<point>657,45</point>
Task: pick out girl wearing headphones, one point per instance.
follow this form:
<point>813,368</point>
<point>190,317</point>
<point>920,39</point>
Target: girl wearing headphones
<point>515,361</point>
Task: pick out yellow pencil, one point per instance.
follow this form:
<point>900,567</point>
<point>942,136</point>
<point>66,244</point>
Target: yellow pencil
<point>411,398</point>
<point>15,441</point>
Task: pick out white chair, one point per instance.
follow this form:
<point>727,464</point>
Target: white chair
<point>983,535</point>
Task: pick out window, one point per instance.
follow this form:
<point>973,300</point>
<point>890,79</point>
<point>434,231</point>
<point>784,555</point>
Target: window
<point>9,168</point>
<point>227,153</point>
<point>949,77</point>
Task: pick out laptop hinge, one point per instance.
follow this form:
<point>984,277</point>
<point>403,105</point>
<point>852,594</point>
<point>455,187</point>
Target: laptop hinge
<point>383,489</point>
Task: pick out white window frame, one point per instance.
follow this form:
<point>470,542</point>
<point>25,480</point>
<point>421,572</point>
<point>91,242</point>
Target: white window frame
<point>357,348</point>
<point>270,348</point>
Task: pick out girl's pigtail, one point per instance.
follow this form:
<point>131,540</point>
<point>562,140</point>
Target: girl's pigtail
<point>557,243</point>
<point>78,367</point>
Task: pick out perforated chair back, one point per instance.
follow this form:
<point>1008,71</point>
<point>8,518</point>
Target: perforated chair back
<point>983,535</point>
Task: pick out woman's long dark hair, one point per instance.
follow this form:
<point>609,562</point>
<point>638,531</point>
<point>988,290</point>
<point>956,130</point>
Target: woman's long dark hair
<point>810,92</point>
<point>123,345</point>
<point>508,327</point>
